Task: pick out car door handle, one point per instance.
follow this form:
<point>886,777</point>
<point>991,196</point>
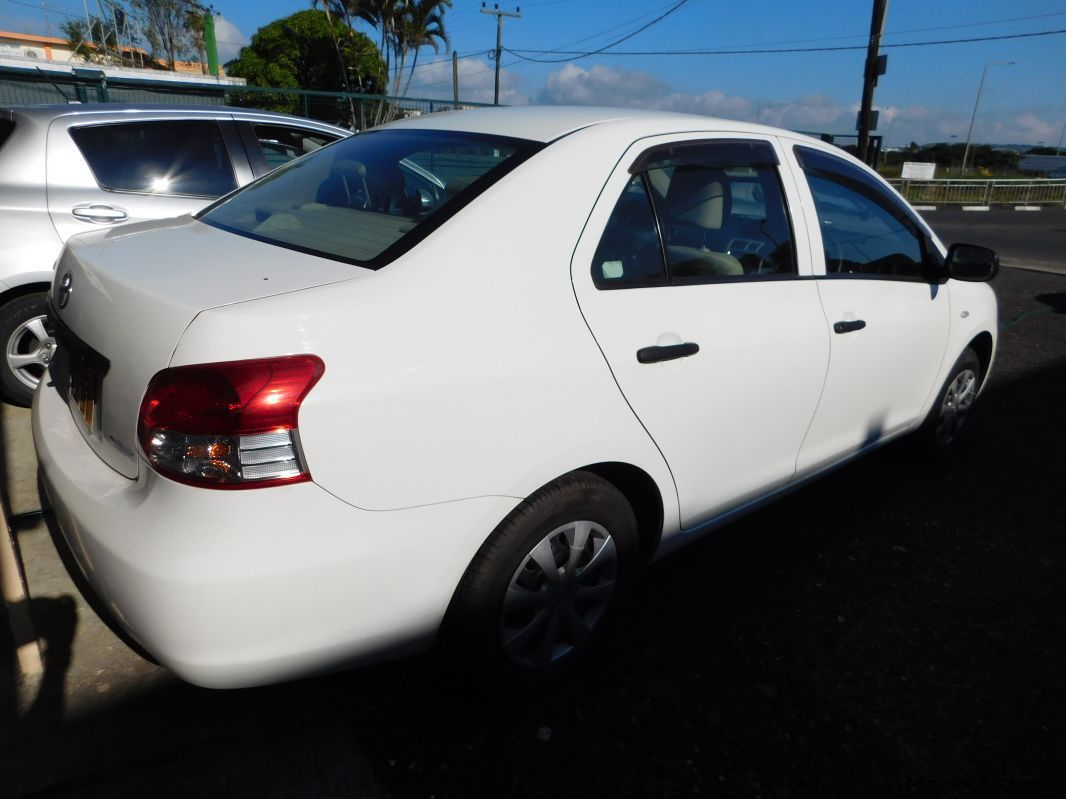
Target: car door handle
<point>99,212</point>
<point>848,327</point>
<point>668,353</point>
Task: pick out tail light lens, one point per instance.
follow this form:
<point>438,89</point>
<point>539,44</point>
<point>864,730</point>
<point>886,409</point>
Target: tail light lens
<point>228,425</point>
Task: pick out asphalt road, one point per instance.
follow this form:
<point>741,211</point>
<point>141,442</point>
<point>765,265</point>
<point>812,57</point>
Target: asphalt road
<point>1036,239</point>
<point>895,629</point>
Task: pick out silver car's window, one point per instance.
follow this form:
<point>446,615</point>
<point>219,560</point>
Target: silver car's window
<point>367,198</point>
<point>281,143</point>
<point>173,157</point>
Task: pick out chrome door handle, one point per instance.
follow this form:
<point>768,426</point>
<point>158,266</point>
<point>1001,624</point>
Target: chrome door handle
<point>667,353</point>
<point>99,212</point>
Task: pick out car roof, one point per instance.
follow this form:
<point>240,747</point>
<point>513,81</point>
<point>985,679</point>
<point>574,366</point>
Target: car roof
<point>47,112</point>
<point>547,123</point>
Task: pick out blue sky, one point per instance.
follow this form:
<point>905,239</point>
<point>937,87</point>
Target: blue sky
<point>927,95</point>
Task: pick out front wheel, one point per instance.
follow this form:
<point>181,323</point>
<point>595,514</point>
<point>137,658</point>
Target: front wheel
<point>538,594</point>
<point>28,346</point>
<point>940,432</point>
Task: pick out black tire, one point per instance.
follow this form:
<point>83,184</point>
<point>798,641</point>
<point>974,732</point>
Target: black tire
<point>479,621</point>
<point>939,433</point>
<point>17,338</point>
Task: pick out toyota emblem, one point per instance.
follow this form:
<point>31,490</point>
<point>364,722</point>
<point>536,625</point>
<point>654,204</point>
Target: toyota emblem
<point>65,287</point>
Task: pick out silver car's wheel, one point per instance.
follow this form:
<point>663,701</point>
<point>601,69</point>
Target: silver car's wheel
<point>958,398</point>
<point>558,594</point>
<point>28,346</point>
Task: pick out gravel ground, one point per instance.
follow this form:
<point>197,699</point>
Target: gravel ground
<point>895,629</point>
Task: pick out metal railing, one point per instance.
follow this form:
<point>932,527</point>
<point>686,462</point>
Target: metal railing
<point>1034,191</point>
<point>358,111</point>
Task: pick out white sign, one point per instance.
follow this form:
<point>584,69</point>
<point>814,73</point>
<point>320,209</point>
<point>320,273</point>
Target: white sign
<point>918,170</point>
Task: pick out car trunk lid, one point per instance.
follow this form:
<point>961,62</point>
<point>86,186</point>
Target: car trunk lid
<point>123,298</point>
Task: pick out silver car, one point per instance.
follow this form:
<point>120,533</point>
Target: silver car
<point>67,169</point>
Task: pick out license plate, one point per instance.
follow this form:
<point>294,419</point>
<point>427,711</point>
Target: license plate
<point>83,382</point>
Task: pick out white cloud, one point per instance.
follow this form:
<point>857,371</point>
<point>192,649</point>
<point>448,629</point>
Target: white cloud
<point>476,81</point>
<point>573,85</point>
<point>229,39</point>
<point>599,85</point>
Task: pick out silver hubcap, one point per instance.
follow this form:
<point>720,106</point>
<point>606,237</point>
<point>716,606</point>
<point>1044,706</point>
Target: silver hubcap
<point>558,594</point>
<point>957,401</point>
<point>29,350</point>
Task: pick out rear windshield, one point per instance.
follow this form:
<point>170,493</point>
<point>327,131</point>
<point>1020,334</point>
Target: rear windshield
<point>370,197</point>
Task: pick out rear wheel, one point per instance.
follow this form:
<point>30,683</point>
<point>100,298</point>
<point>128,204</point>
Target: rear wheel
<point>28,346</point>
<point>537,596</point>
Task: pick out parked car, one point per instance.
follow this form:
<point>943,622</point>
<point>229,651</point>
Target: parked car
<point>65,169</point>
<point>340,415</point>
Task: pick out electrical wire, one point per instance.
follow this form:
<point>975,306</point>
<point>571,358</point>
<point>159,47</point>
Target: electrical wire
<point>772,50</point>
<point>571,57</point>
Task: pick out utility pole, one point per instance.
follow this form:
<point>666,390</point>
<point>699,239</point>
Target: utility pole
<point>495,11</point>
<point>875,65</point>
<point>455,78</point>
<point>976,103</point>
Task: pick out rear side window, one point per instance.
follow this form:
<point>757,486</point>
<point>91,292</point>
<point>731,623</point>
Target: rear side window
<point>180,157</point>
<point>370,197</point>
<point>281,144</point>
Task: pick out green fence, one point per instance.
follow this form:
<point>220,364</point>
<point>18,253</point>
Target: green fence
<point>359,111</point>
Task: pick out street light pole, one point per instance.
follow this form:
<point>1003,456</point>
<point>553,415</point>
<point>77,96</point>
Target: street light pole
<point>977,102</point>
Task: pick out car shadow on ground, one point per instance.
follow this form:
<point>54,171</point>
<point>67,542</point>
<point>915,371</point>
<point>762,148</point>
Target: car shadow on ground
<point>896,626</point>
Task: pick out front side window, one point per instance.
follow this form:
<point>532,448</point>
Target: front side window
<point>865,232</point>
<point>172,157</point>
<point>370,197</point>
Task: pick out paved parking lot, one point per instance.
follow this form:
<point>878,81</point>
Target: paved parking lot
<point>896,628</point>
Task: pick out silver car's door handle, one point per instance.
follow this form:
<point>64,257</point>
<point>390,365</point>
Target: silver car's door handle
<point>99,212</point>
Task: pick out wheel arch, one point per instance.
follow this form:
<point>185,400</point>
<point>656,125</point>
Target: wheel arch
<point>14,292</point>
<point>644,498</point>
<point>983,345</point>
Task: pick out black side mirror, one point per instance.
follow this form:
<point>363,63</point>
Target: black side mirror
<point>971,262</point>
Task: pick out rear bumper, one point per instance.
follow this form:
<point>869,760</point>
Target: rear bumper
<point>238,588</point>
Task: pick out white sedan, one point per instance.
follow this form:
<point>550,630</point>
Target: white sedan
<point>459,378</point>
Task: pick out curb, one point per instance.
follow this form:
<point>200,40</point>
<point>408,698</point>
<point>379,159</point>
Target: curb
<point>16,601</point>
<point>981,207</point>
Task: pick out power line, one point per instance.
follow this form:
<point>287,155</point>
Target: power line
<point>574,56</point>
<point>770,51</point>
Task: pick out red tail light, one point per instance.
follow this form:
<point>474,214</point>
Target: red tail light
<point>228,425</point>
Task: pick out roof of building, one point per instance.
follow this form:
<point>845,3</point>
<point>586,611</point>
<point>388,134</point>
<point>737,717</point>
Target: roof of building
<point>31,38</point>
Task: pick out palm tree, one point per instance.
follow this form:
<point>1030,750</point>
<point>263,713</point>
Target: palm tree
<point>404,27</point>
<point>423,26</point>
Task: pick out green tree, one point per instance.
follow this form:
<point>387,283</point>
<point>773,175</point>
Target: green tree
<point>404,27</point>
<point>165,24</point>
<point>308,50</point>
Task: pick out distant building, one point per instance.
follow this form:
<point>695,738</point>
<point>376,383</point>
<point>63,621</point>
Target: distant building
<point>1050,166</point>
<point>45,69</point>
